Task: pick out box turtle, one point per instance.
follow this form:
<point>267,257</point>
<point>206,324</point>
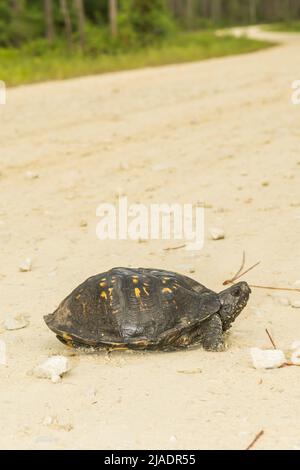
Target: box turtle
<point>126,308</point>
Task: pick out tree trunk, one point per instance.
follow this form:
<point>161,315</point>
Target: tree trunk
<point>67,20</point>
<point>253,11</point>
<point>216,10</point>
<point>189,13</point>
<point>113,16</point>
<point>81,21</point>
<point>48,9</point>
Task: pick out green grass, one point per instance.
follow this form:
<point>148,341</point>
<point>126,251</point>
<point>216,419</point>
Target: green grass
<point>287,27</point>
<point>26,65</point>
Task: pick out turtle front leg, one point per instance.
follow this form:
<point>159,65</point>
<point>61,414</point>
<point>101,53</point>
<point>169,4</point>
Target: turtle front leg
<point>211,334</point>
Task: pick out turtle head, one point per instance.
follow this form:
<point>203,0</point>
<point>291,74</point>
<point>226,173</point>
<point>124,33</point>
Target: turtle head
<point>233,301</point>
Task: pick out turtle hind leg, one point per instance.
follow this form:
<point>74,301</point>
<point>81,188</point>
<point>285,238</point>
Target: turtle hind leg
<point>211,334</point>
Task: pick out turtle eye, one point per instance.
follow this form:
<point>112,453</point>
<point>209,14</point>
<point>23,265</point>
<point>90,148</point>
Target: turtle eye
<point>236,292</point>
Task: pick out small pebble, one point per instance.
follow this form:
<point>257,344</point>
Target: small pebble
<point>2,353</point>
<point>297,283</point>
<point>31,175</point>
<point>267,359</point>
<point>53,368</point>
<point>26,265</point>
<point>173,439</point>
<point>15,322</point>
<point>296,304</point>
<point>265,183</point>
<point>217,233</point>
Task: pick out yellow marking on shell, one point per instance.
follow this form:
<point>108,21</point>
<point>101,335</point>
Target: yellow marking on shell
<point>103,294</point>
<point>145,290</point>
<point>135,279</point>
<point>110,289</point>
<point>78,296</point>
<point>102,283</point>
<point>137,292</point>
<point>67,337</point>
<point>166,290</point>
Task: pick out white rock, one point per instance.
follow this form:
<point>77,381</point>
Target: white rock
<point>15,323</point>
<point>296,304</point>
<point>26,265</point>
<point>267,359</point>
<point>173,439</point>
<point>217,233</point>
<point>297,283</point>
<point>53,368</point>
<point>2,353</point>
<point>31,175</point>
<point>295,357</point>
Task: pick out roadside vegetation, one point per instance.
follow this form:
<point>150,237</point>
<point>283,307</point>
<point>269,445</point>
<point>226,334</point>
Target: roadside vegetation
<point>57,39</point>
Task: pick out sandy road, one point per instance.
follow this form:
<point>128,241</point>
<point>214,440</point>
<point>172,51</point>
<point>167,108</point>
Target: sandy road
<point>228,135</point>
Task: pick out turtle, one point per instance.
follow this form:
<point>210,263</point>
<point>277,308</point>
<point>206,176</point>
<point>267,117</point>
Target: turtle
<point>146,309</point>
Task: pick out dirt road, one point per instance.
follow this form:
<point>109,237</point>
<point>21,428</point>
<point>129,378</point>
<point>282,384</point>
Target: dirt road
<point>223,132</point>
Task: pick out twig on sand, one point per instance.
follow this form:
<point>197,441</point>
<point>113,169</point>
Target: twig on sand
<point>254,441</point>
<point>169,248</point>
<point>270,338</point>
<point>241,273</point>
<point>286,364</point>
<point>231,281</point>
<point>275,288</point>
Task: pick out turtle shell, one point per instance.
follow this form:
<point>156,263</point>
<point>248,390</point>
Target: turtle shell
<point>133,308</point>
